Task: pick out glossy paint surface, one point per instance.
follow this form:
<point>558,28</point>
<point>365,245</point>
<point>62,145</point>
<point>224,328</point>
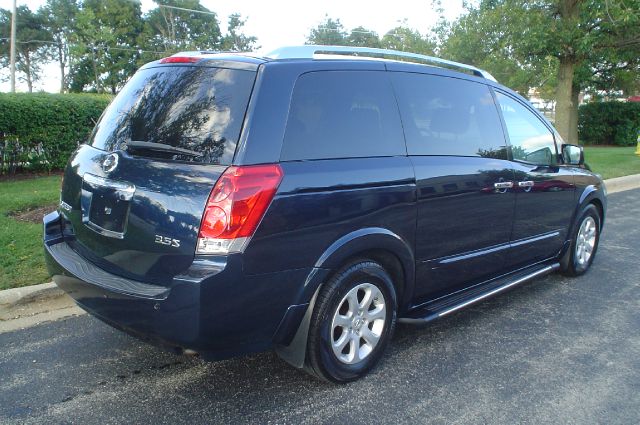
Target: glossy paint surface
<point>168,201</point>
<point>440,217</point>
<point>543,211</point>
<point>463,221</point>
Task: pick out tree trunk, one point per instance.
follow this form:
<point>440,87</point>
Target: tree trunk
<point>95,71</point>
<point>573,122</point>
<point>63,85</point>
<point>27,65</point>
<point>564,95</point>
<point>566,100</point>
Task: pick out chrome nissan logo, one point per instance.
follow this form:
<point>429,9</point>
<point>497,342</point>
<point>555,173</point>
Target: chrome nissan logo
<point>110,163</point>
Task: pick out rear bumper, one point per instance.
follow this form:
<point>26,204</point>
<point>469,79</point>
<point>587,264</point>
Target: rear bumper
<point>212,308</point>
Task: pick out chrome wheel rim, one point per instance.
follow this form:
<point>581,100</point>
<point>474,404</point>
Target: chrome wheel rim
<point>358,323</point>
<point>586,241</point>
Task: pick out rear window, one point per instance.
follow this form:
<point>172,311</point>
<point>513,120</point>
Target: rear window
<point>343,114</point>
<point>196,108</point>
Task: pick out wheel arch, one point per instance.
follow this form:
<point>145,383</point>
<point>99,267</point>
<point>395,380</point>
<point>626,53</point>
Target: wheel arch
<point>374,243</point>
<point>592,194</point>
<point>595,195</point>
<point>378,244</point>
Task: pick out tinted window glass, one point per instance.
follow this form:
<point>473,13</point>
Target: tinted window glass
<point>342,114</point>
<point>448,116</point>
<point>195,108</point>
<point>531,141</point>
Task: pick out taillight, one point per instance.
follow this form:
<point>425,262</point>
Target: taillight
<point>236,206</point>
<point>180,59</point>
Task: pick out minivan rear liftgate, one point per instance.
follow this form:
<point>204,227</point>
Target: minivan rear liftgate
<point>133,197</point>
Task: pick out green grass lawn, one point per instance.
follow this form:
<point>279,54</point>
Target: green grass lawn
<point>612,161</point>
<point>21,258</point>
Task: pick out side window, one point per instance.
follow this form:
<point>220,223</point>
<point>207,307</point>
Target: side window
<point>531,141</point>
<point>448,116</point>
<point>342,114</point>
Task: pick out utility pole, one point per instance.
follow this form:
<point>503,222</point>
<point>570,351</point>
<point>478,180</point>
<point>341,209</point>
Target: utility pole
<point>13,47</point>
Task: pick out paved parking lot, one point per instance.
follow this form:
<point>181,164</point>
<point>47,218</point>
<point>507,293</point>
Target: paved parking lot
<point>556,350</point>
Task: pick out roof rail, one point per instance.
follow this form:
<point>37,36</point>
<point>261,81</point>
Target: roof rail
<point>309,51</point>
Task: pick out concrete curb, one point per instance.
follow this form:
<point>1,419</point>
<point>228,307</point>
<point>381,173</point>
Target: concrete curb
<point>22,308</point>
<point>38,297</point>
<point>619,184</point>
<point>14,297</point>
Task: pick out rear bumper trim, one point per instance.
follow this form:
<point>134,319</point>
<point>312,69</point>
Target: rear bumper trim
<point>84,270</point>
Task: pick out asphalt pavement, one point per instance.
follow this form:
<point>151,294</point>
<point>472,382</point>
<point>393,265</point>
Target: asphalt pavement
<point>556,350</point>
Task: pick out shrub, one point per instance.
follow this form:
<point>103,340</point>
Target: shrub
<point>39,131</point>
<point>609,123</point>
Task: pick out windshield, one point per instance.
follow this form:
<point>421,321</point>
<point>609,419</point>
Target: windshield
<point>196,108</point>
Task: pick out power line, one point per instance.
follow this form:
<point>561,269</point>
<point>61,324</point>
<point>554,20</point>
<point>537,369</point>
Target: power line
<point>91,45</point>
<point>187,10</point>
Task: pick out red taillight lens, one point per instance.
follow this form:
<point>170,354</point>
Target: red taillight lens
<point>235,207</point>
<point>180,59</point>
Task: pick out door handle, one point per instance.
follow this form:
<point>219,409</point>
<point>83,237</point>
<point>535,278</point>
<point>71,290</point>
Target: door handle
<point>503,185</point>
<point>527,183</point>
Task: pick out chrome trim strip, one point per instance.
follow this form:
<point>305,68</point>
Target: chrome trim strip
<point>104,232</point>
<point>309,51</point>
<point>503,185</point>
<point>453,259</point>
<point>535,238</point>
<point>523,279</point>
<point>126,189</point>
<point>65,206</point>
<point>474,254</point>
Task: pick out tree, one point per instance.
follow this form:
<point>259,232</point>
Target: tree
<point>59,20</point>
<point>32,43</point>
<point>408,40</point>
<point>583,43</point>
<point>105,44</point>
<point>360,36</point>
<point>473,39</point>
<point>235,40</point>
<point>328,33</point>
<point>173,29</point>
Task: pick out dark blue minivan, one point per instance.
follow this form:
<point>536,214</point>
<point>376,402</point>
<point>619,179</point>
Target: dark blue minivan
<point>306,200</point>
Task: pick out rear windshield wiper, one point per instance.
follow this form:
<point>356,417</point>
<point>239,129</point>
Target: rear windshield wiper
<point>161,147</point>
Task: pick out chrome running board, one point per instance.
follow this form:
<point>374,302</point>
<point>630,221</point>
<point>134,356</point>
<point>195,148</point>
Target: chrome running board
<point>458,301</point>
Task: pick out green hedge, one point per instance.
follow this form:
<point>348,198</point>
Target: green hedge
<point>39,131</point>
<point>609,123</point>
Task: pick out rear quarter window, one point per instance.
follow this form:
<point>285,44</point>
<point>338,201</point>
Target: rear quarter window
<point>342,114</point>
<point>448,116</point>
<point>190,107</point>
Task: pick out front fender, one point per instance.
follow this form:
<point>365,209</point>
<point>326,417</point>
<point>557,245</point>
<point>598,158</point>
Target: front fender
<point>589,194</point>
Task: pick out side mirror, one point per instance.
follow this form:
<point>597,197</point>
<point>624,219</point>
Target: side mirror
<point>572,155</point>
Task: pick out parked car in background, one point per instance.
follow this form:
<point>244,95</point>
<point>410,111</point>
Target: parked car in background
<point>307,200</point>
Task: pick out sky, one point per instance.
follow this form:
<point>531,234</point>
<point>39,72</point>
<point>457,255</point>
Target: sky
<point>279,23</point>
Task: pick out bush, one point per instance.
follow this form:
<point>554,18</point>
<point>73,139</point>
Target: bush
<point>39,131</point>
<point>609,123</point>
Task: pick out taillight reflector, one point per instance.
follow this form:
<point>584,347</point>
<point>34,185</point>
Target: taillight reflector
<point>180,59</point>
<point>236,206</point>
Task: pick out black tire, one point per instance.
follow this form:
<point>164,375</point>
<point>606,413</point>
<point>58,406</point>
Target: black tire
<point>321,361</point>
<point>571,264</point>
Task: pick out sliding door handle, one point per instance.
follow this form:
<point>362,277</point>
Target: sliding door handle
<point>503,185</point>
